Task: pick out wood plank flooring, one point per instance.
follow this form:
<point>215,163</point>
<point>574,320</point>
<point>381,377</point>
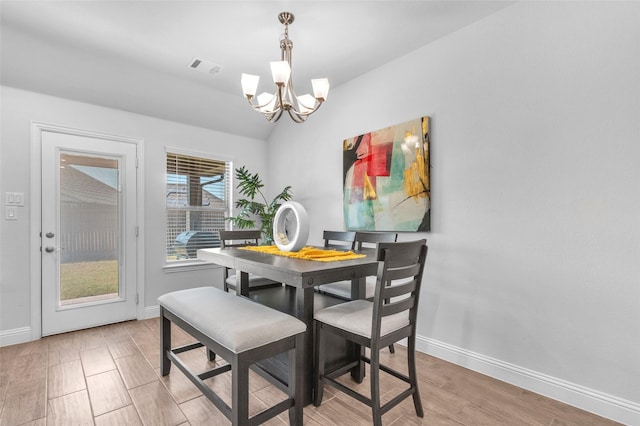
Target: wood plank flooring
<point>110,376</point>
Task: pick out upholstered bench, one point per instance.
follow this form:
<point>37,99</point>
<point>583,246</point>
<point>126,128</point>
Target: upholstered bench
<point>241,332</point>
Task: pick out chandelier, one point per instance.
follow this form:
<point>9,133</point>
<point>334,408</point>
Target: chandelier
<point>285,98</point>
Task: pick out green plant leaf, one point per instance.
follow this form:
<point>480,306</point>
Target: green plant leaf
<point>248,185</point>
<point>251,210</point>
<point>285,195</point>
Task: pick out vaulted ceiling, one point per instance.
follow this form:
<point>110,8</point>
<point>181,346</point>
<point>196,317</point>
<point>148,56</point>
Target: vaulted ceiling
<point>135,55</point>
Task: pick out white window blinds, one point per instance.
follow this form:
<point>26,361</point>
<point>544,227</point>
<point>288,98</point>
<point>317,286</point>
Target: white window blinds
<point>198,199</point>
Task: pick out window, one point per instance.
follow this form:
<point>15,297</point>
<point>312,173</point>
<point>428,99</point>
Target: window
<point>198,194</point>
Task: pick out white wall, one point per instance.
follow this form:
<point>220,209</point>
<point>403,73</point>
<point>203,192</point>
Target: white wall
<point>533,273</point>
<point>19,108</point>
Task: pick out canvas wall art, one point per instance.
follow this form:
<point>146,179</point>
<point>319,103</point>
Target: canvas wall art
<point>386,179</point>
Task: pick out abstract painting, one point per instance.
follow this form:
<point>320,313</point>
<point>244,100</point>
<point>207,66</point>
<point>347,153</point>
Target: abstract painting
<point>386,179</point>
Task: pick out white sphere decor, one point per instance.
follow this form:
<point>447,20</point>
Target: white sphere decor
<point>291,227</point>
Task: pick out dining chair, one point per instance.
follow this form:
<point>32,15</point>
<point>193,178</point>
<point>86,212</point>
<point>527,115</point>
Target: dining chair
<point>242,238</point>
<point>339,239</point>
<point>390,317</point>
<point>342,289</point>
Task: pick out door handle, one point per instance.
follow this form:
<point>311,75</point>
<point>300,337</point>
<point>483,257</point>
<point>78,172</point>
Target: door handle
<point>50,249</point>
<point>49,235</point>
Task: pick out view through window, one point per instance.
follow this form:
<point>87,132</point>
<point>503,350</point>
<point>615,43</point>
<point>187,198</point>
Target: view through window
<point>198,199</point>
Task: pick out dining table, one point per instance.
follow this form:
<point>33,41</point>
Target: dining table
<point>300,278</point>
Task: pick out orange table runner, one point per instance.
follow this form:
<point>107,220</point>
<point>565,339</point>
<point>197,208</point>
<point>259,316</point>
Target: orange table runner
<point>308,253</point>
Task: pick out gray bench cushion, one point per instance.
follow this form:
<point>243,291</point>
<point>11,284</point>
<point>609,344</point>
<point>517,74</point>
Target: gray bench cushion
<point>233,321</point>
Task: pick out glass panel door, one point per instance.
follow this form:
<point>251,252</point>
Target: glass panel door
<point>89,240</point>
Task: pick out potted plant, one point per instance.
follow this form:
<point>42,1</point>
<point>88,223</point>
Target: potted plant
<point>254,206</point>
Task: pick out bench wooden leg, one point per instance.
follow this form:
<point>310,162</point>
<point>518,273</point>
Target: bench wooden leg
<point>240,390</point>
<point>165,343</point>
<point>211,355</point>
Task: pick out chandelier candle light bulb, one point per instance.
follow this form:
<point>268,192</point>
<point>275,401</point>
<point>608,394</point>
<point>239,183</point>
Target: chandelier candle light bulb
<point>249,84</point>
<point>272,106</point>
<point>267,102</point>
<point>281,71</point>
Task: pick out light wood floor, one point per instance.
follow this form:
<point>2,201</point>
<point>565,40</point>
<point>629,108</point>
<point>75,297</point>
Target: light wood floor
<point>110,376</point>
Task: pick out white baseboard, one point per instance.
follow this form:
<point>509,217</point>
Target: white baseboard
<point>15,336</point>
<point>23,334</point>
<point>151,312</point>
<point>602,404</point>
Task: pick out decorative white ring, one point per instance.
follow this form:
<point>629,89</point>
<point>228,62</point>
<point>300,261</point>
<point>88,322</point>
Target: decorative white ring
<point>291,235</point>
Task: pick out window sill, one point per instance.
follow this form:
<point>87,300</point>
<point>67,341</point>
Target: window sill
<point>189,265</point>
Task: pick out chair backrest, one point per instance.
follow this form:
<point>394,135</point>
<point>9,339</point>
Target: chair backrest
<point>370,239</point>
<point>240,238</point>
<point>339,239</point>
<point>400,270</point>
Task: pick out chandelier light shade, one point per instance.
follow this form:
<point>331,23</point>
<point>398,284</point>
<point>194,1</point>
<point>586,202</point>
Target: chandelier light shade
<point>272,105</point>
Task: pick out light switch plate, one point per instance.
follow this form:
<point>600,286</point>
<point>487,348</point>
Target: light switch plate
<point>11,213</point>
<point>14,199</point>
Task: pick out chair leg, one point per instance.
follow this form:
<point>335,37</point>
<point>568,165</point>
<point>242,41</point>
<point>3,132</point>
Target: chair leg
<point>225,275</point>
<point>318,386</point>
<point>211,355</point>
<point>296,391</point>
<point>165,343</point>
<point>375,386</point>
<point>413,377</point>
<point>358,372</point>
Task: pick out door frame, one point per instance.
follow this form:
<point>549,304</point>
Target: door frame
<point>35,270</point>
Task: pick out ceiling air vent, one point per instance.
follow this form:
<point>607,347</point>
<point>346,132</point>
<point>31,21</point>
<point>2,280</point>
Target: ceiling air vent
<point>205,66</point>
